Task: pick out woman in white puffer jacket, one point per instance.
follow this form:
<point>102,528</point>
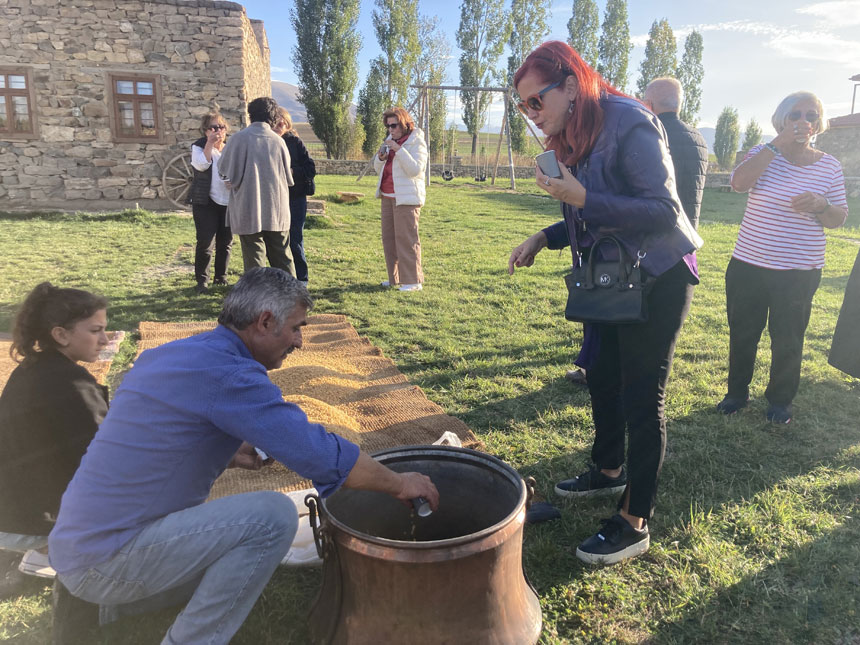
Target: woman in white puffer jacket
<point>400,163</point>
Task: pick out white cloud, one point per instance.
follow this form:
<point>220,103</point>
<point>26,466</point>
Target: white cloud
<point>843,13</point>
<point>281,70</point>
<point>818,46</point>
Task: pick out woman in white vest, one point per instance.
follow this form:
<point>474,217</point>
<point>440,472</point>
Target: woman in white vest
<point>400,164</point>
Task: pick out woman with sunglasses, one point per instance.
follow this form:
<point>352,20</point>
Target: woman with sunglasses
<point>400,163</point>
<point>209,197</point>
<point>616,178</point>
<point>795,192</point>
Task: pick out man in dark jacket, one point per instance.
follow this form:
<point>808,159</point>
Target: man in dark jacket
<point>688,149</point>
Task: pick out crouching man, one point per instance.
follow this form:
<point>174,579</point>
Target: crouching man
<point>133,532</point>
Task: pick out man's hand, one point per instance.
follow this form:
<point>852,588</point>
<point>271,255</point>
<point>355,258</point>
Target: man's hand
<point>417,485</point>
<point>246,457</point>
<point>369,474</point>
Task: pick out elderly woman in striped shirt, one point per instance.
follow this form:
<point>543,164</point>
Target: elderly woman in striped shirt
<point>795,192</point>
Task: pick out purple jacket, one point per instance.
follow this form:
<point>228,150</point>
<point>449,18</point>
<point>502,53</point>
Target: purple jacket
<point>631,194</point>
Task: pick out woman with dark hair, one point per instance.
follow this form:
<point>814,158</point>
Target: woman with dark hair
<point>616,178</point>
<point>795,192</point>
<point>304,170</point>
<point>50,408</point>
<point>400,163</point>
<point>209,197</point>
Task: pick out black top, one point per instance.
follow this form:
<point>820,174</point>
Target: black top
<point>301,165</point>
<point>202,181</point>
<point>689,153</point>
<point>50,409</point>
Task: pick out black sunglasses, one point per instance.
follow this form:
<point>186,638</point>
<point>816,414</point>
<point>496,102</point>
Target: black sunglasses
<point>217,127</point>
<point>535,101</point>
<point>811,117</point>
<point>391,126</point>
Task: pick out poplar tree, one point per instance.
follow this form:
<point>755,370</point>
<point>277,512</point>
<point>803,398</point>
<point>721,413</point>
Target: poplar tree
<point>484,28</point>
<point>429,69</point>
<point>660,57</point>
<point>327,44</point>
<point>726,137</point>
<point>582,27</point>
<point>529,26</point>
<point>613,49</point>
<point>396,28</point>
<point>690,74</point>
<point>372,102</point>
<point>752,135</point>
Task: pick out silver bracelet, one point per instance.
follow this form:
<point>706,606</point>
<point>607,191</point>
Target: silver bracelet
<point>772,148</point>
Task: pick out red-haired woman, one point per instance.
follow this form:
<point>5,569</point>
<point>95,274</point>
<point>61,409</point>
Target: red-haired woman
<point>617,178</point>
<point>400,163</point>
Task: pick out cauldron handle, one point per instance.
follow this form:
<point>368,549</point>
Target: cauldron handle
<point>531,484</point>
<point>312,502</point>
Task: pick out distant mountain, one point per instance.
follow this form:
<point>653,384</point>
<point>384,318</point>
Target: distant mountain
<point>708,133</point>
<point>287,95</point>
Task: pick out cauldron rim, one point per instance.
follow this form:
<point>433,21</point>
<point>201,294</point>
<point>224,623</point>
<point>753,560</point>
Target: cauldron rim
<point>462,454</point>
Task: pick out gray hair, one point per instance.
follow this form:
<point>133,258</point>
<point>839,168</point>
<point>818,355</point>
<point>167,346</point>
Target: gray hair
<point>788,103</point>
<point>665,94</point>
<point>259,290</point>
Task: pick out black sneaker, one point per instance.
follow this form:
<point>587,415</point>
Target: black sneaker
<point>592,482</point>
<point>615,541</point>
<point>220,282</point>
<point>74,619</point>
<point>730,405</point>
<point>201,287</point>
<point>779,414</point>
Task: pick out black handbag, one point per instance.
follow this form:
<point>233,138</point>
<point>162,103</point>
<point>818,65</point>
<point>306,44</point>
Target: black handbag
<point>607,291</point>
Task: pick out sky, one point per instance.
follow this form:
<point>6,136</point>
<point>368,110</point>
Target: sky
<point>755,51</point>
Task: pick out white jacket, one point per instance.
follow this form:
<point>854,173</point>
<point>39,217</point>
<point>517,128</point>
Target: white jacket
<point>407,170</point>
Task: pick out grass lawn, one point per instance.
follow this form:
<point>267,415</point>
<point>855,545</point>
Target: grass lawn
<point>756,536</point>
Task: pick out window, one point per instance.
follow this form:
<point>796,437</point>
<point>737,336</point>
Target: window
<point>136,115</point>
<point>17,100</point>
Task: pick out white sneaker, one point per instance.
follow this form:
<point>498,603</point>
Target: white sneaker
<point>411,287</point>
<point>385,283</point>
<point>36,564</point>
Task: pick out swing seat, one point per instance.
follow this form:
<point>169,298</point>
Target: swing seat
<point>447,175</point>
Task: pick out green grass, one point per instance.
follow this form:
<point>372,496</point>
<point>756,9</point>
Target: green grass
<point>756,536</point>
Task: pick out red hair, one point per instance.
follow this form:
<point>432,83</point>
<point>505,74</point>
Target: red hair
<point>553,62</point>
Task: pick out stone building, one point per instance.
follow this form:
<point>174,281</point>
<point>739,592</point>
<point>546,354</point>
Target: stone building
<point>96,96</point>
<point>842,140</point>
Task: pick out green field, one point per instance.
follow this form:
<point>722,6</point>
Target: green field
<point>756,537</point>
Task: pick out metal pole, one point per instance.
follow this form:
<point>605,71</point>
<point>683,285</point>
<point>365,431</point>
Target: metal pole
<point>499,146</point>
<point>510,152</point>
<point>427,132</point>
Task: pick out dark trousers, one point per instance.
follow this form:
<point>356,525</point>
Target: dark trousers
<point>627,384</point>
<point>213,232</point>
<point>783,300</point>
<point>298,213</point>
<point>273,246</point>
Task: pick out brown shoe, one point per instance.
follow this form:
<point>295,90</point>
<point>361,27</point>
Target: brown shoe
<point>577,376</point>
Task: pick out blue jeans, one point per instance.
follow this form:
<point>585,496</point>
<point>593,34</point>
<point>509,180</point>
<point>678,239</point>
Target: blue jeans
<point>220,554</point>
<point>298,215</point>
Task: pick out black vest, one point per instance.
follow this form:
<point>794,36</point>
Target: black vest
<point>202,182</point>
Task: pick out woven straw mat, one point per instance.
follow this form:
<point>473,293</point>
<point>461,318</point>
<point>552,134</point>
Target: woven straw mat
<point>341,381</point>
<point>99,369</point>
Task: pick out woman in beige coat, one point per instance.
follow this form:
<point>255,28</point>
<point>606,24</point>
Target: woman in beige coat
<point>400,163</point>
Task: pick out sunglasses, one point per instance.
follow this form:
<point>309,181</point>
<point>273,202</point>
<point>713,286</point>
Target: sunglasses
<point>810,117</point>
<point>217,127</point>
<point>535,101</point>
<point>391,126</point>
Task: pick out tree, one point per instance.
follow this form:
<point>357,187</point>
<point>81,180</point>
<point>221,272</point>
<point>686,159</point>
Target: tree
<point>726,137</point>
<point>325,55</point>
<point>484,28</point>
<point>372,102</point>
<point>613,49</point>
<point>429,69</point>
<point>660,57</point>
<point>690,74</point>
<point>529,25</point>
<point>582,28</point>
<point>752,135</point>
<point>396,28</point>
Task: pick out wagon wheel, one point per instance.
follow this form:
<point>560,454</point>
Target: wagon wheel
<point>176,179</point>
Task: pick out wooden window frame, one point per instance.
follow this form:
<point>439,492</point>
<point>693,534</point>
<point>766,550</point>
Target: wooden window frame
<point>136,99</point>
<point>6,95</point>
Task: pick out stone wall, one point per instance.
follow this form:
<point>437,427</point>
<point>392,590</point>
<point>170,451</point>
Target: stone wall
<point>204,54</point>
<point>844,144</point>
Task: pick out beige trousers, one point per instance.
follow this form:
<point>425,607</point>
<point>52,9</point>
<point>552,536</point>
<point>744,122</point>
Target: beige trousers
<point>400,242</point>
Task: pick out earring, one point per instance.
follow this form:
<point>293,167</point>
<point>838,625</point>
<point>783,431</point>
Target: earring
<point>570,108</point>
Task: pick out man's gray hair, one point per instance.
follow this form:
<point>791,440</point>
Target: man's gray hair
<point>787,105</point>
<point>260,290</point>
<point>665,94</point>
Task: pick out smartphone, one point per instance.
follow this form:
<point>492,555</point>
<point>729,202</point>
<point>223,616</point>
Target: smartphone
<point>548,164</point>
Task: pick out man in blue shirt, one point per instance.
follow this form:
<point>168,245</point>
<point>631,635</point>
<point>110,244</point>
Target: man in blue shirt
<point>132,526</point>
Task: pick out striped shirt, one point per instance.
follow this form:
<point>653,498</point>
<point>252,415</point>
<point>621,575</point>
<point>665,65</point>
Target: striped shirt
<point>772,234</point>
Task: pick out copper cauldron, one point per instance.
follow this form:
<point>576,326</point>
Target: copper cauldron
<point>456,576</point>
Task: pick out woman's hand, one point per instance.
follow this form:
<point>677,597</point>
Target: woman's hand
<point>393,145</point>
<point>567,189</point>
<point>809,202</point>
<point>382,153</point>
<point>524,254</point>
